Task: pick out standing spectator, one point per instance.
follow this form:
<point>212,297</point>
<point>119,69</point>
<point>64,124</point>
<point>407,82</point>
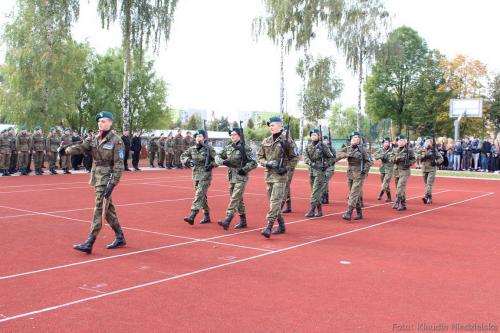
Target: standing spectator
<point>126,144</point>
<point>491,165</point>
<point>467,154</point>
<point>136,147</point>
<point>457,155</point>
<point>476,150</point>
<point>449,152</point>
<point>442,150</point>
<point>497,156</point>
<point>485,155</point>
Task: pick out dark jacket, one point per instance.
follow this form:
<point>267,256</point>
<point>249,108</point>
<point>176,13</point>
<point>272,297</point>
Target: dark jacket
<point>486,147</point>
<point>126,141</point>
<point>136,144</point>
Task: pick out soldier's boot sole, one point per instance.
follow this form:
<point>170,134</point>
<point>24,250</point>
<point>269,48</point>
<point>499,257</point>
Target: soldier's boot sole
<point>116,244</point>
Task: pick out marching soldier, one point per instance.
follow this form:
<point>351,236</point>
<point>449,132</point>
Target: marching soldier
<point>108,152</point>
<point>136,147</point>
<point>289,176</point>
<point>359,163</point>
<point>152,150</point>
<point>385,169</point>
<point>202,158</point>
<point>161,151</point>
<point>65,160</point>
<point>403,157</point>
<point>276,154</point>
<point>5,152</point>
<point>238,159</point>
<point>13,150</point>
<point>330,170</point>
<point>317,156</point>
<point>430,158</point>
<point>52,144</point>
<point>23,147</point>
<point>169,151</point>
<point>178,149</point>
<point>38,146</point>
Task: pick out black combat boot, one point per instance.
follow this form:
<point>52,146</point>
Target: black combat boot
<point>66,171</point>
<point>319,211</point>
<point>359,213</point>
<point>347,215</point>
<point>323,199</point>
<point>266,232</point>
<point>206,218</point>
<point>243,222</point>
<point>396,204</point>
<point>327,197</point>
<point>402,206</point>
<point>424,199</point>
<point>310,213</point>
<point>380,195</point>
<point>23,172</point>
<point>6,172</point>
<point>190,218</point>
<point>429,199</point>
<point>53,171</point>
<point>227,221</point>
<point>389,199</point>
<point>288,206</point>
<point>119,239</point>
<point>281,227</point>
<point>86,246</point>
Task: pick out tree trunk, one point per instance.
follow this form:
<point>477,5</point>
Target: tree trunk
<point>304,84</point>
<point>282,77</point>
<point>126,71</point>
<point>360,86</point>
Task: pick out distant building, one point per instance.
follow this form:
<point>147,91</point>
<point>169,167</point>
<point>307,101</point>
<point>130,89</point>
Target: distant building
<point>184,115</point>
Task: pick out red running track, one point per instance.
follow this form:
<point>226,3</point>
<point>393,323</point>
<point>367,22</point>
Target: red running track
<point>432,264</point>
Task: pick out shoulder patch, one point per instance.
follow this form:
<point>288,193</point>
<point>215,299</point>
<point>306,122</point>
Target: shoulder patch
<point>121,154</point>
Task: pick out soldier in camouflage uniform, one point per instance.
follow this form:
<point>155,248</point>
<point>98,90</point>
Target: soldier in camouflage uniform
<point>403,157</point>
<point>13,150</point>
<point>169,151</point>
<point>161,151</point>
<point>239,162</point>
<point>66,141</point>
<point>52,144</point>
<point>359,162</point>
<point>276,155</point>
<point>430,158</point>
<point>108,152</point>
<point>318,157</point>
<point>289,176</point>
<point>23,147</point>
<point>38,146</point>
<point>4,152</point>
<point>178,149</point>
<point>196,157</point>
<point>386,168</point>
<point>152,150</point>
<point>330,170</point>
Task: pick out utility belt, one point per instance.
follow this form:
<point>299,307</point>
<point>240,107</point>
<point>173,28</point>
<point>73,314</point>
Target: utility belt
<point>102,164</point>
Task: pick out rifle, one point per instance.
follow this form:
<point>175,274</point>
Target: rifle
<point>433,160</point>
<point>242,147</point>
<point>329,137</point>
<point>205,144</point>
<point>284,146</point>
<point>361,150</point>
<point>320,142</point>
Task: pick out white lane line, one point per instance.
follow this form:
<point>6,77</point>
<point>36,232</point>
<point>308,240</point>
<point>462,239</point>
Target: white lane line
<point>210,239</point>
<point>214,267</point>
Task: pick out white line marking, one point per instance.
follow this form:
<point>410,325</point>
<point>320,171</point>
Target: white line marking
<point>211,268</point>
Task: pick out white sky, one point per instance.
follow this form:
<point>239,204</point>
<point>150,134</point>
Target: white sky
<point>212,61</point>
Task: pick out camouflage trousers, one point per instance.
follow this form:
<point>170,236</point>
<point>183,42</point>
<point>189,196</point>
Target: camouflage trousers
<point>429,181</point>
<point>385,178</point>
<point>276,195</point>
<point>289,177</point>
<point>13,160</point>
<point>23,159</point>
<point>328,176</point>
<point>200,195</point>
<point>4,161</point>
<point>161,157</point>
<point>52,158</point>
<point>151,156</point>
<point>236,204</point>
<point>66,162</point>
<point>38,159</point>
<point>169,159</point>
<point>401,181</point>
<point>111,216</point>
<point>177,157</point>
<point>355,185</point>
<point>317,184</point>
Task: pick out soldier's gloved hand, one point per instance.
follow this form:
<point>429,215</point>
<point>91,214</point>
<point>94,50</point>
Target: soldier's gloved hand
<point>272,164</point>
<point>108,190</point>
<point>208,167</point>
<point>241,172</point>
<point>281,171</point>
<point>226,163</point>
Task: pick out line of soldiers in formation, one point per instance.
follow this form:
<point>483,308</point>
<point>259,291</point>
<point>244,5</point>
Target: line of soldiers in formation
<point>167,149</point>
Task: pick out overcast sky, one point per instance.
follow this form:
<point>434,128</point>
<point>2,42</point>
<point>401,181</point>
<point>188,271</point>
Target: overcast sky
<point>212,61</point>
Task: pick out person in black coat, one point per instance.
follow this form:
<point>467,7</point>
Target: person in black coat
<point>135,147</point>
<point>126,143</point>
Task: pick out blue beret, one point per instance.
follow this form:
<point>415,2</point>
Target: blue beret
<point>37,128</point>
<point>401,137</point>
<point>104,114</point>
<point>388,139</point>
<point>314,130</point>
<point>22,127</point>
<point>274,120</point>
<point>235,129</point>
<point>355,133</point>
<point>202,132</point>
<point>428,138</point>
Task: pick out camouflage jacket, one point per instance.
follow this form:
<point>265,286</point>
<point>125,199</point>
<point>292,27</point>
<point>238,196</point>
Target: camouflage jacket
<point>270,150</point>
<point>189,141</point>
<point>66,140</point>
<point>319,157</point>
<point>52,143</point>
<point>430,159</point>
<point>196,155</point>
<point>354,156</point>
<point>23,142</point>
<point>383,155</point>
<point>38,142</point>
<point>107,157</point>
<point>403,158</point>
<point>179,143</point>
<point>232,154</point>
<point>4,144</point>
<point>153,145</point>
<point>169,146</point>
<point>12,139</point>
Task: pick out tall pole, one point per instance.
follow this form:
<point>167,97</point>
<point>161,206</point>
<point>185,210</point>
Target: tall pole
<point>282,77</point>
